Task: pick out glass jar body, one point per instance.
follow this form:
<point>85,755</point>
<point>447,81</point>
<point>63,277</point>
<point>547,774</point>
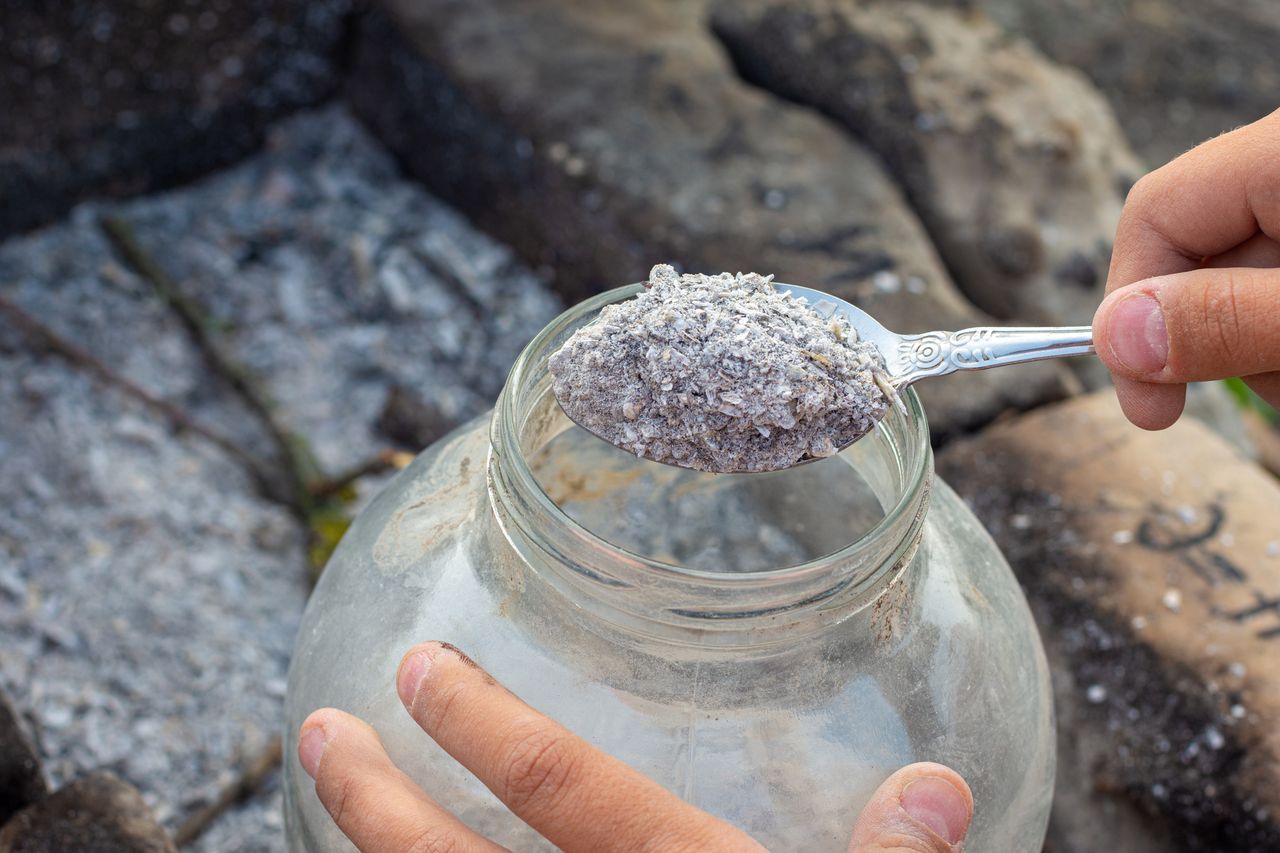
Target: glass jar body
<point>785,738</point>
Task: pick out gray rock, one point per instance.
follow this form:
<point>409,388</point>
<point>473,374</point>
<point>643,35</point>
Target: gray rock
<point>156,594</point>
<point>148,593</point>
<point>599,139</point>
<point>1015,164</point>
<point>21,776</point>
<point>337,281</point>
<point>1178,73</point>
<point>254,826</point>
<point>118,98</point>
<point>96,814</point>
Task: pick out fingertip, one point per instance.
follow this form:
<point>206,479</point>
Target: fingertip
<point>942,802</point>
<point>1149,406</point>
<point>1130,333</point>
<point>924,806</point>
<point>313,738</point>
<point>413,668</point>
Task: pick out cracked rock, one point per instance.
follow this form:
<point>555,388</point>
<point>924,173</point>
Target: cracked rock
<point>96,814</point>
<point>1178,73</point>
<point>148,593</point>
<point>120,97</point>
<point>21,776</point>
<point>1150,563</point>
<point>599,139</point>
<point>1015,164</point>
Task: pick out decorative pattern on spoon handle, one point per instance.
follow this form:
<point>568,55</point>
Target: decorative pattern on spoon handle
<point>940,353</point>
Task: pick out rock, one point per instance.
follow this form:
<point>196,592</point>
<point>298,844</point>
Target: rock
<point>1264,436</point>
<point>96,814</point>
<point>598,139</point>
<point>108,97</point>
<point>1015,164</point>
<point>411,421</point>
<point>154,593</point>
<point>1152,562</point>
<point>253,826</point>
<point>1178,73</point>
<point>148,593</point>
<point>1211,404</point>
<point>21,777</point>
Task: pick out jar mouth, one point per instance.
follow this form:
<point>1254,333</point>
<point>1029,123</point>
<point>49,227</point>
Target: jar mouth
<point>518,430</point>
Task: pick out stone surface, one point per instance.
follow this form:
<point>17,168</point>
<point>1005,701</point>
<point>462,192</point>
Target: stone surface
<point>148,594</point>
<point>1264,436</point>
<point>21,776</point>
<point>148,597</point>
<point>1152,561</point>
<point>254,826</point>
<point>99,813</point>
<point>120,97</point>
<point>337,282</point>
<point>599,139</point>
<point>1178,73</point>
<point>1015,164</point>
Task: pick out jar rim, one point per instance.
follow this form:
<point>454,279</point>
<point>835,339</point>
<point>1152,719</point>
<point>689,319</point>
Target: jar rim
<point>912,432</point>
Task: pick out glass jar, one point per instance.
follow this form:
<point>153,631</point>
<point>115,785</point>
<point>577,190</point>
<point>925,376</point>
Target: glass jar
<point>770,647</point>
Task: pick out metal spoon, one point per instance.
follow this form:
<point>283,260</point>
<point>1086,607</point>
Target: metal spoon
<point>910,358</point>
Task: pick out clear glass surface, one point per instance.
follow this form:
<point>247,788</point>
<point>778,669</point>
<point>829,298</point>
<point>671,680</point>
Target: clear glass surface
<point>768,647</point>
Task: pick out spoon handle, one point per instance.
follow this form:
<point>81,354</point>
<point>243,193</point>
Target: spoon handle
<point>940,353</point>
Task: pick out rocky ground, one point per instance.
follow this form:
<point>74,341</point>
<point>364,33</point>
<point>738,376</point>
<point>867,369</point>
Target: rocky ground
<point>189,376</point>
<point>149,588</point>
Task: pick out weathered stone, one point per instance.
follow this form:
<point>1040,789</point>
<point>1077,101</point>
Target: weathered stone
<point>148,594</point>
<point>1264,436</point>
<point>96,814</point>
<point>21,777</point>
<point>409,420</point>
<point>117,98</point>
<point>598,139</point>
<point>1152,561</point>
<point>1212,405</point>
<point>1015,164</point>
<point>1178,73</point>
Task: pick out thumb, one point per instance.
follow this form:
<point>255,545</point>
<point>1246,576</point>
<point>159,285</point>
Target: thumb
<point>923,808</point>
<point>1192,326</point>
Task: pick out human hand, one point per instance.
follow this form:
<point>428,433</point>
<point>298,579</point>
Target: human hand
<point>576,796</point>
<point>1194,286</point>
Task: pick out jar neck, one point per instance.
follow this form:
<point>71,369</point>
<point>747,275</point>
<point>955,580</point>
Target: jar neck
<point>652,600</point>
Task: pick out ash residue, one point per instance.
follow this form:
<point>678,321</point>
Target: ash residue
<point>720,373</point>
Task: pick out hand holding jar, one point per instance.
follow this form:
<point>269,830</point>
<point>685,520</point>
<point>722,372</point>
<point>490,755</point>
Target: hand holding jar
<point>576,796</point>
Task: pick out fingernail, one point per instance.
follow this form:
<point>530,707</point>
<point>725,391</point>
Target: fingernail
<point>310,747</point>
<point>937,804</point>
<point>1137,333</point>
<point>413,669</point>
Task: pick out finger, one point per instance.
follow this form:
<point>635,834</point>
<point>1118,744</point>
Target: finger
<point>1157,406</point>
<point>1204,203</point>
<point>1150,406</point>
<point>376,805</point>
<point>1258,251</point>
<point>1193,326</point>
<point>923,808</point>
<point>576,796</point>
